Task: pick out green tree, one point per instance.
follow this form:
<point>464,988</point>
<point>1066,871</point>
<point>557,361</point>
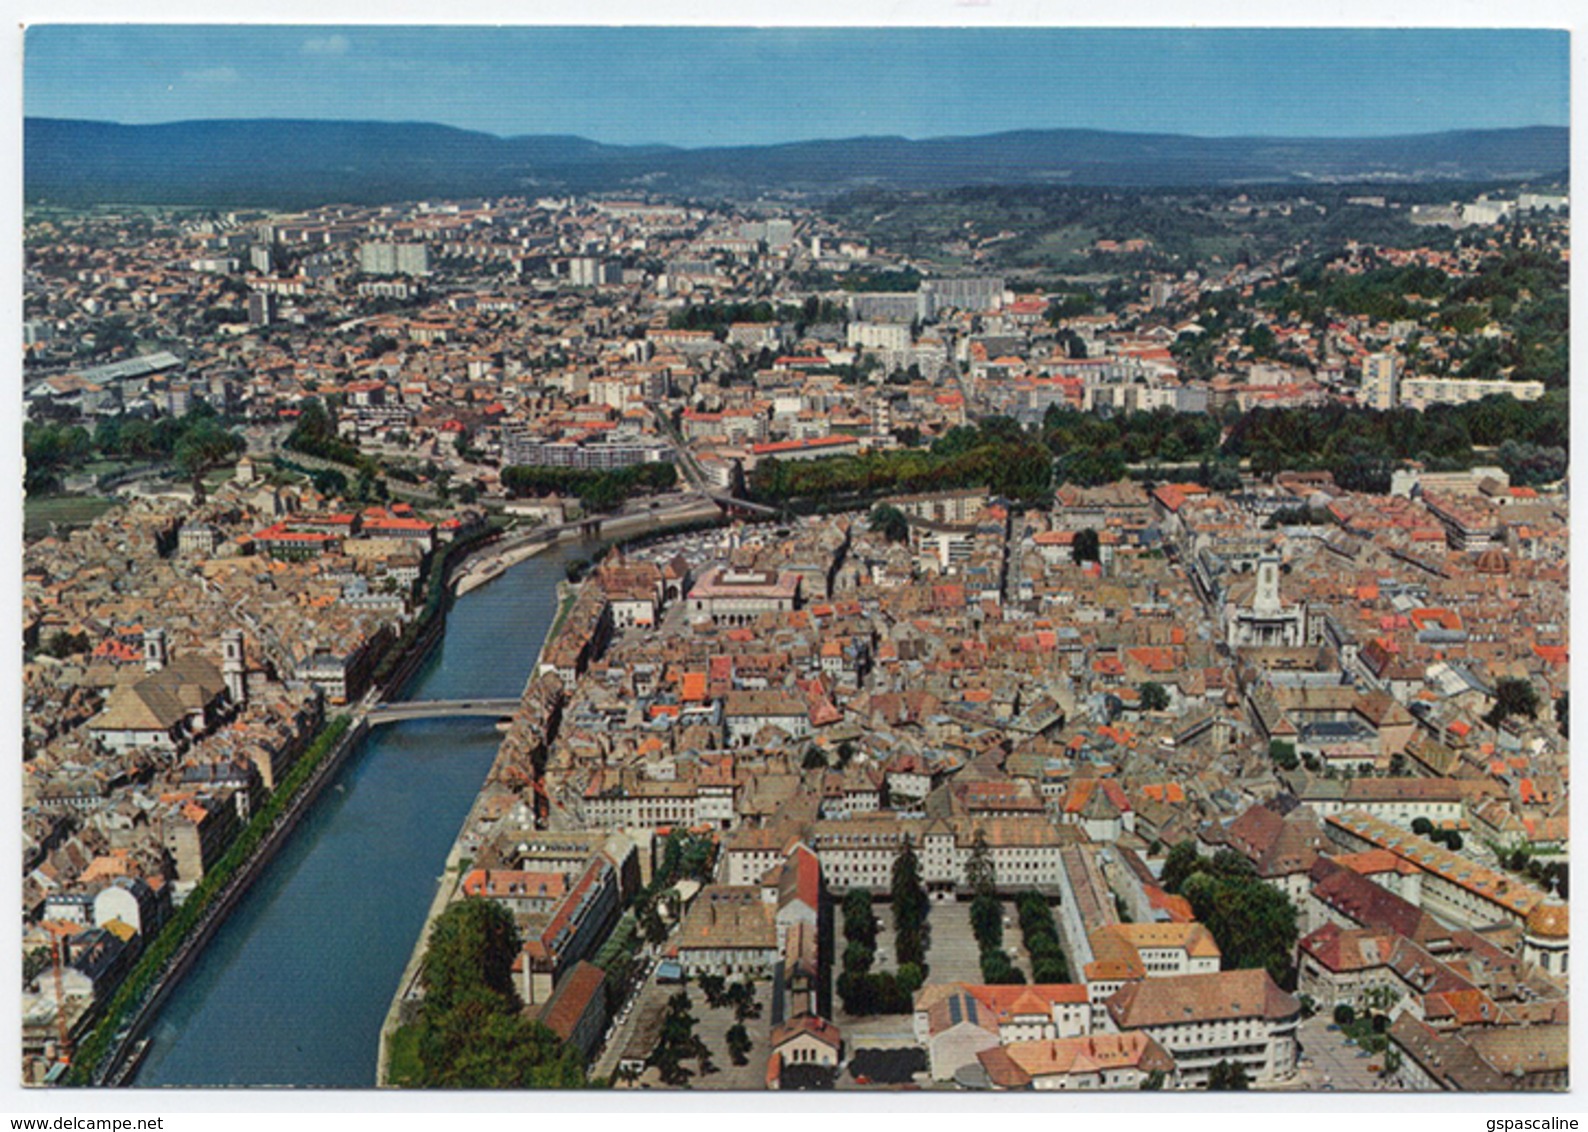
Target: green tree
<point>470,1032</point>
<point>987,921</point>
<point>860,921</point>
<point>1086,547</point>
<point>739,1044</point>
<point>677,1042</point>
<point>329,483</point>
<point>1181,862</point>
<point>909,905</point>
<point>858,957</point>
<point>1254,924</point>
<point>889,522</point>
<point>472,946</point>
<point>712,986</point>
<point>1228,1076</point>
<point>204,446</point>
<point>1512,697</point>
<point>1154,697</point>
<point>652,928</point>
<point>998,970</point>
<point>741,996</point>
<point>980,873</point>
<point>1283,754</point>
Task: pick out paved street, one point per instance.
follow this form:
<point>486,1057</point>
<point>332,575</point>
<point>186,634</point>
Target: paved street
<point>952,953</point>
<point>1334,1065</point>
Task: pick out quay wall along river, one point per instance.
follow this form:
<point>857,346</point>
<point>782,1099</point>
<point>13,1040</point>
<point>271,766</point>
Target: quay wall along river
<point>294,985</point>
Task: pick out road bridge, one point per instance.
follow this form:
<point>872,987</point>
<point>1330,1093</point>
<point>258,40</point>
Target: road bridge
<point>440,709</point>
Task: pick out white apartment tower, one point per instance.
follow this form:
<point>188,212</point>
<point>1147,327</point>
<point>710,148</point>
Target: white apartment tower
<point>1381,381</point>
<point>393,259</point>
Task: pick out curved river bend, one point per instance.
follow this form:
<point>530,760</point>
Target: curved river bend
<point>293,988</point>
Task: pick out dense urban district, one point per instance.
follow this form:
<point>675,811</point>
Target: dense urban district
<point>1064,639</point>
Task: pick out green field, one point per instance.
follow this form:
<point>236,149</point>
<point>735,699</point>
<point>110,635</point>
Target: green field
<point>38,512</point>
<point>1058,248</point>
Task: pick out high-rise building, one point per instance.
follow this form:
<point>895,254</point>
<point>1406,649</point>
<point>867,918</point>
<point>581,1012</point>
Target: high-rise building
<point>590,271</point>
<point>1381,381</point>
<point>413,259</point>
<point>393,259</point>
<point>261,308</point>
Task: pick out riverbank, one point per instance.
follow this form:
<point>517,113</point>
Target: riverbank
<point>446,887</point>
<point>101,1059</point>
<point>451,877</point>
<point>492,562</point>
<point>137,1003</point>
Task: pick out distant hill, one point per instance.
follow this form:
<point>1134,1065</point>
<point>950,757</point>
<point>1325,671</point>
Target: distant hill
<point>285,163</point>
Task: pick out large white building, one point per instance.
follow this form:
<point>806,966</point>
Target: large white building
<point>393,259</point>
<point>1267,622</point>
<point>1381,381</point>
<point>728,596</point>
<point>879,335</point>
<point>859,851</point>
<point>1421,392</point>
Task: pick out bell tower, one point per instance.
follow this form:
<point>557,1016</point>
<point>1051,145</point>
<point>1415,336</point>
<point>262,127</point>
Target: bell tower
<point>154,650</point>
<point>1266,600</point>
<point>234,666</point>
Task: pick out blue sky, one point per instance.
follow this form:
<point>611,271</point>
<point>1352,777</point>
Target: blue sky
<point>705,86</point>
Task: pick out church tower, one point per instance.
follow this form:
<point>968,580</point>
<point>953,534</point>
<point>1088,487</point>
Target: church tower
<point>154,650</point>
<point>1265,602</point>
<point>233,667</point>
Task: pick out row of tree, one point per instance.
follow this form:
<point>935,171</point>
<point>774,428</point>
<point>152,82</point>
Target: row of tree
<point>1007,462</point>
<point>1049,964</point>
<point>862,990</point>
<point>678,1043</point>
<point>595,490</point>
<point>987,916</point>
<point>195,442</point>
<point>911,932</point>
<point>1360,447</point>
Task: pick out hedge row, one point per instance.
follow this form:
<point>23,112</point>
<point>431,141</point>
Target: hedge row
<point>152,965</point>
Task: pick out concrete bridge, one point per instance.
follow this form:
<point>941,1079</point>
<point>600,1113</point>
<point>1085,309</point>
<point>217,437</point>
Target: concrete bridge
<point>440,709</point>
<point>730,504</point>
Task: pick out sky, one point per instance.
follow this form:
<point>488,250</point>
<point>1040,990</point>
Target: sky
<point>732,86</point>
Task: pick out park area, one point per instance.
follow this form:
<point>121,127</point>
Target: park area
<point>42,514</point>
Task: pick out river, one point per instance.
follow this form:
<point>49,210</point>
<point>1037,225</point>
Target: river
<point>293,988</point>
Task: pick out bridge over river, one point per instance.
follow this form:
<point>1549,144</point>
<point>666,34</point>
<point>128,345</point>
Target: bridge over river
<point>440,709</point>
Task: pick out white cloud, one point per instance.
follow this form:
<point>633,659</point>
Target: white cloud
<point>325,45</point>
<point>212,76</point>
